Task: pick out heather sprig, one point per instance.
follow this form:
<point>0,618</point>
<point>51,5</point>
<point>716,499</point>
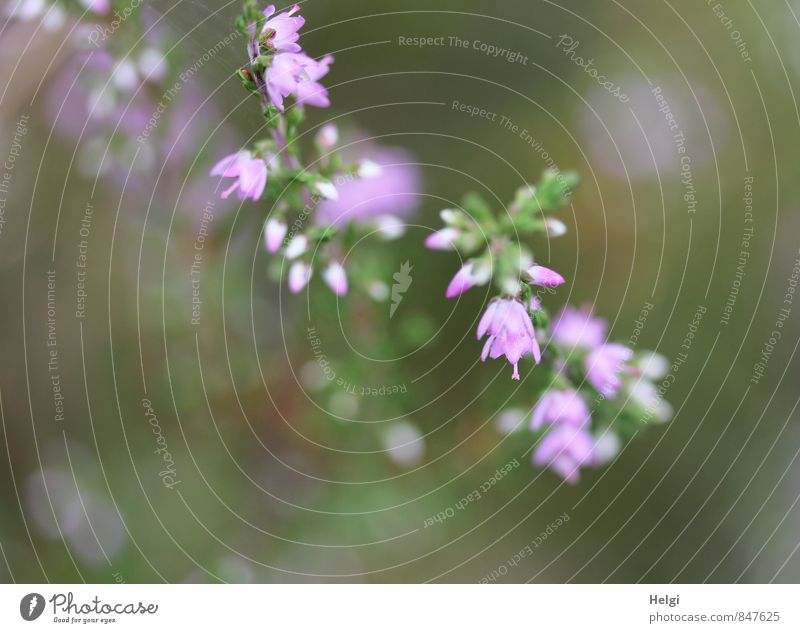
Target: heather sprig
<point>598,391</point>
<point>303,185</point>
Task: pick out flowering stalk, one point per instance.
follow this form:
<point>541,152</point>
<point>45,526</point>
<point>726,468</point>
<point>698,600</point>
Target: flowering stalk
<point>305,224</point>
<point>599,391</point>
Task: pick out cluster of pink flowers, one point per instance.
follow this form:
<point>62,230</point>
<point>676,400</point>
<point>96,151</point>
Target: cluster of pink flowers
<point>604,362</point>
<point>568,443</point>
<point>585,369</point>
<point>375,192</point>
<point>291,72</point>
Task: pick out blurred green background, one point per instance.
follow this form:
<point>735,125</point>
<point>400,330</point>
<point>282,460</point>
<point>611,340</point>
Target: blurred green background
<point>285,476</point>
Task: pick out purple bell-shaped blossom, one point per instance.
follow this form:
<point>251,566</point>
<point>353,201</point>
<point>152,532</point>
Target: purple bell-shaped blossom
<point>511,333</point>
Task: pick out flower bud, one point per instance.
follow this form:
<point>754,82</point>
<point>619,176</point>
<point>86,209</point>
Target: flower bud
<point>542,276</point>
<point>326,189</point>
<point>299,275</point>
<point>336,278</point>
<point>328,136</point>
<point>274,233</point>
<point>555,227</point>
<point>442,240</point>
<point>462,281</point>
<point>297,246</point>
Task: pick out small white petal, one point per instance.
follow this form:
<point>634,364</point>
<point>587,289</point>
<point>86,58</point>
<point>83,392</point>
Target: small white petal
<point>336,278</point>
<point>326,189</point>
<point>555,227</point>
<point>274,233</point>
<point>299,276</point>
<point>297,246</point>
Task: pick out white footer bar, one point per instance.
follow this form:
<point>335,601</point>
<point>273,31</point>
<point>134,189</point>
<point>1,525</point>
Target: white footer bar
<point>379,608</point>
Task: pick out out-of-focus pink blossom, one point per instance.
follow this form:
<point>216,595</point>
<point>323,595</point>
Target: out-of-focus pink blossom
<point>604,366</point>
<point>578,328</point>
<point>560,407</point>
<point>392,194</point>
<point>564,449</point>
<point>97,6</point>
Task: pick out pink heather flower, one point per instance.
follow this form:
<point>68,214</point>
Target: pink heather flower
<point>336,278</point>
<point>577,328</point>
<point>274,233</point>
<point>564,450</point>
<point>298,74</point>
<point>560,407</point>
<point>463,281</point>
<point>604,365</point>
<point>541,276</point>
<point>510,331</point>
<point>250,175</point>
<point>299,276</point>
<point>395,192</point>
<point>284,39</point>
<point>442,240</point>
